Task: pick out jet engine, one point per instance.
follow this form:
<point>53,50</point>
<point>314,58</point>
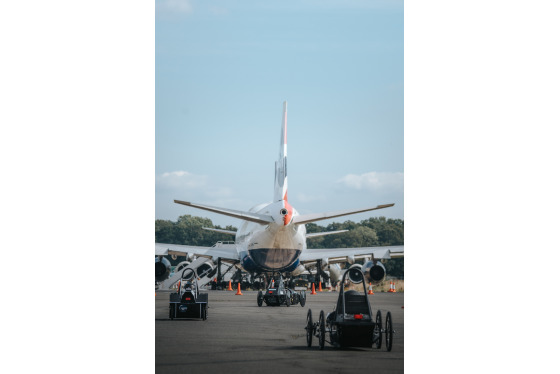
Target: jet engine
<point>163,268</point>
<point>334,272</point>
<point>300,269</point>
<point>188,274</point>
<point>373,271</point>
<point>181,266</point>
<point>206,269</point>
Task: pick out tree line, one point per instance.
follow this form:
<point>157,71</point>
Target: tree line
<point>375,231</point>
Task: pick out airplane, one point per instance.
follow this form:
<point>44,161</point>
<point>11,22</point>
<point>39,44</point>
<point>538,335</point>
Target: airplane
<point>272,237</point>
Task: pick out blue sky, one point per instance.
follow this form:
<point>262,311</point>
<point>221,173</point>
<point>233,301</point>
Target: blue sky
<point>223,69</point>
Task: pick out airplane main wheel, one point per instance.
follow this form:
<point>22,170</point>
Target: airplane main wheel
<point>389,332</point>
<point>377,330</point>
<point>302,298</point>
<point>309,328</point>
<point>260,298</point>
<point>322,330</point>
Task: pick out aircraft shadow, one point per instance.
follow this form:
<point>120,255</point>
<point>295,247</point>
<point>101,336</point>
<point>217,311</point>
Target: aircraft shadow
<point>316,348</point>
<point>178,319</point>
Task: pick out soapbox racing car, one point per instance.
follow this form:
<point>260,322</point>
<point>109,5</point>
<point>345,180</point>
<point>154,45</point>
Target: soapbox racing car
<point>351,324</point>
<point>278,294</point>
<point>188,302</point>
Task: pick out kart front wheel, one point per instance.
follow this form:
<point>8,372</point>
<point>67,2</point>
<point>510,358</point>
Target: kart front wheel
<point>377,334</point>
<point>302,298</point>
<point>260,298</point>
<point>322,330</point>
<point>388,332</point>
<point>309,328</point>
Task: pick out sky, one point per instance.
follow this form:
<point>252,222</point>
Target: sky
<point>222,72</point>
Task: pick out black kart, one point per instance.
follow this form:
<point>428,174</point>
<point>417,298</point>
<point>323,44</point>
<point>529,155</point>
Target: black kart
<point>352,323</point>
<point>188,302</point>
<point>278,294</point>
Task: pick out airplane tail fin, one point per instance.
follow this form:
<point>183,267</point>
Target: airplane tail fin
<point>281,175</point>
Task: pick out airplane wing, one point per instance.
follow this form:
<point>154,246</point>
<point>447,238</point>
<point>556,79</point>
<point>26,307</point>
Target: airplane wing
<point>308,218</point>
<point>341,254</point>
<point>223,250</point>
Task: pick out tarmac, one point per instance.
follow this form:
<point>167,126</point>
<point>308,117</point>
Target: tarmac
<point>240,337</point>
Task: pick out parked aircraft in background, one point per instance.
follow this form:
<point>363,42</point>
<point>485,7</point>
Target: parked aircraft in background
<point>272,237</point>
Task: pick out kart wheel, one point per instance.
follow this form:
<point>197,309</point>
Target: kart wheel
<point>171,311</point>
<point>377,330</point>
<point>302,298</point>
<point>260,298</point>
<point>205,312</point>
<point>389,332</point>
<point>322,330</point>
<point>288,300</point>
<point>309,328</point>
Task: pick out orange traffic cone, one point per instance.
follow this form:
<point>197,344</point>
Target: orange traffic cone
<point>370,292</point>
<point>229,287</point>
<point>239,289</point>
<point>313,290</point>
<point>320,288</point>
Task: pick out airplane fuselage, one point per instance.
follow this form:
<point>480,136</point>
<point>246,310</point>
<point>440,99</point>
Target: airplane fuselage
<point>272,247</point>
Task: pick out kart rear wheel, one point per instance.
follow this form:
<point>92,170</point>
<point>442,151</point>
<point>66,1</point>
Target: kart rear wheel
<point>389,332</point>
<point>171,311</point>
<point>205,312</point>
<point>309,328</point>
<point>260,298</point>
<point>322,330</point>
<point>302,298</point>
<point>377,330</point>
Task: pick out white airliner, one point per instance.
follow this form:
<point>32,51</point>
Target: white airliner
<point>272,237</point>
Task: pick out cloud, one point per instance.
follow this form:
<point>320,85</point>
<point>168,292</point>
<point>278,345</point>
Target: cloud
<point>181,180</point>
<point>174,6</point>
<point>374,181</point>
